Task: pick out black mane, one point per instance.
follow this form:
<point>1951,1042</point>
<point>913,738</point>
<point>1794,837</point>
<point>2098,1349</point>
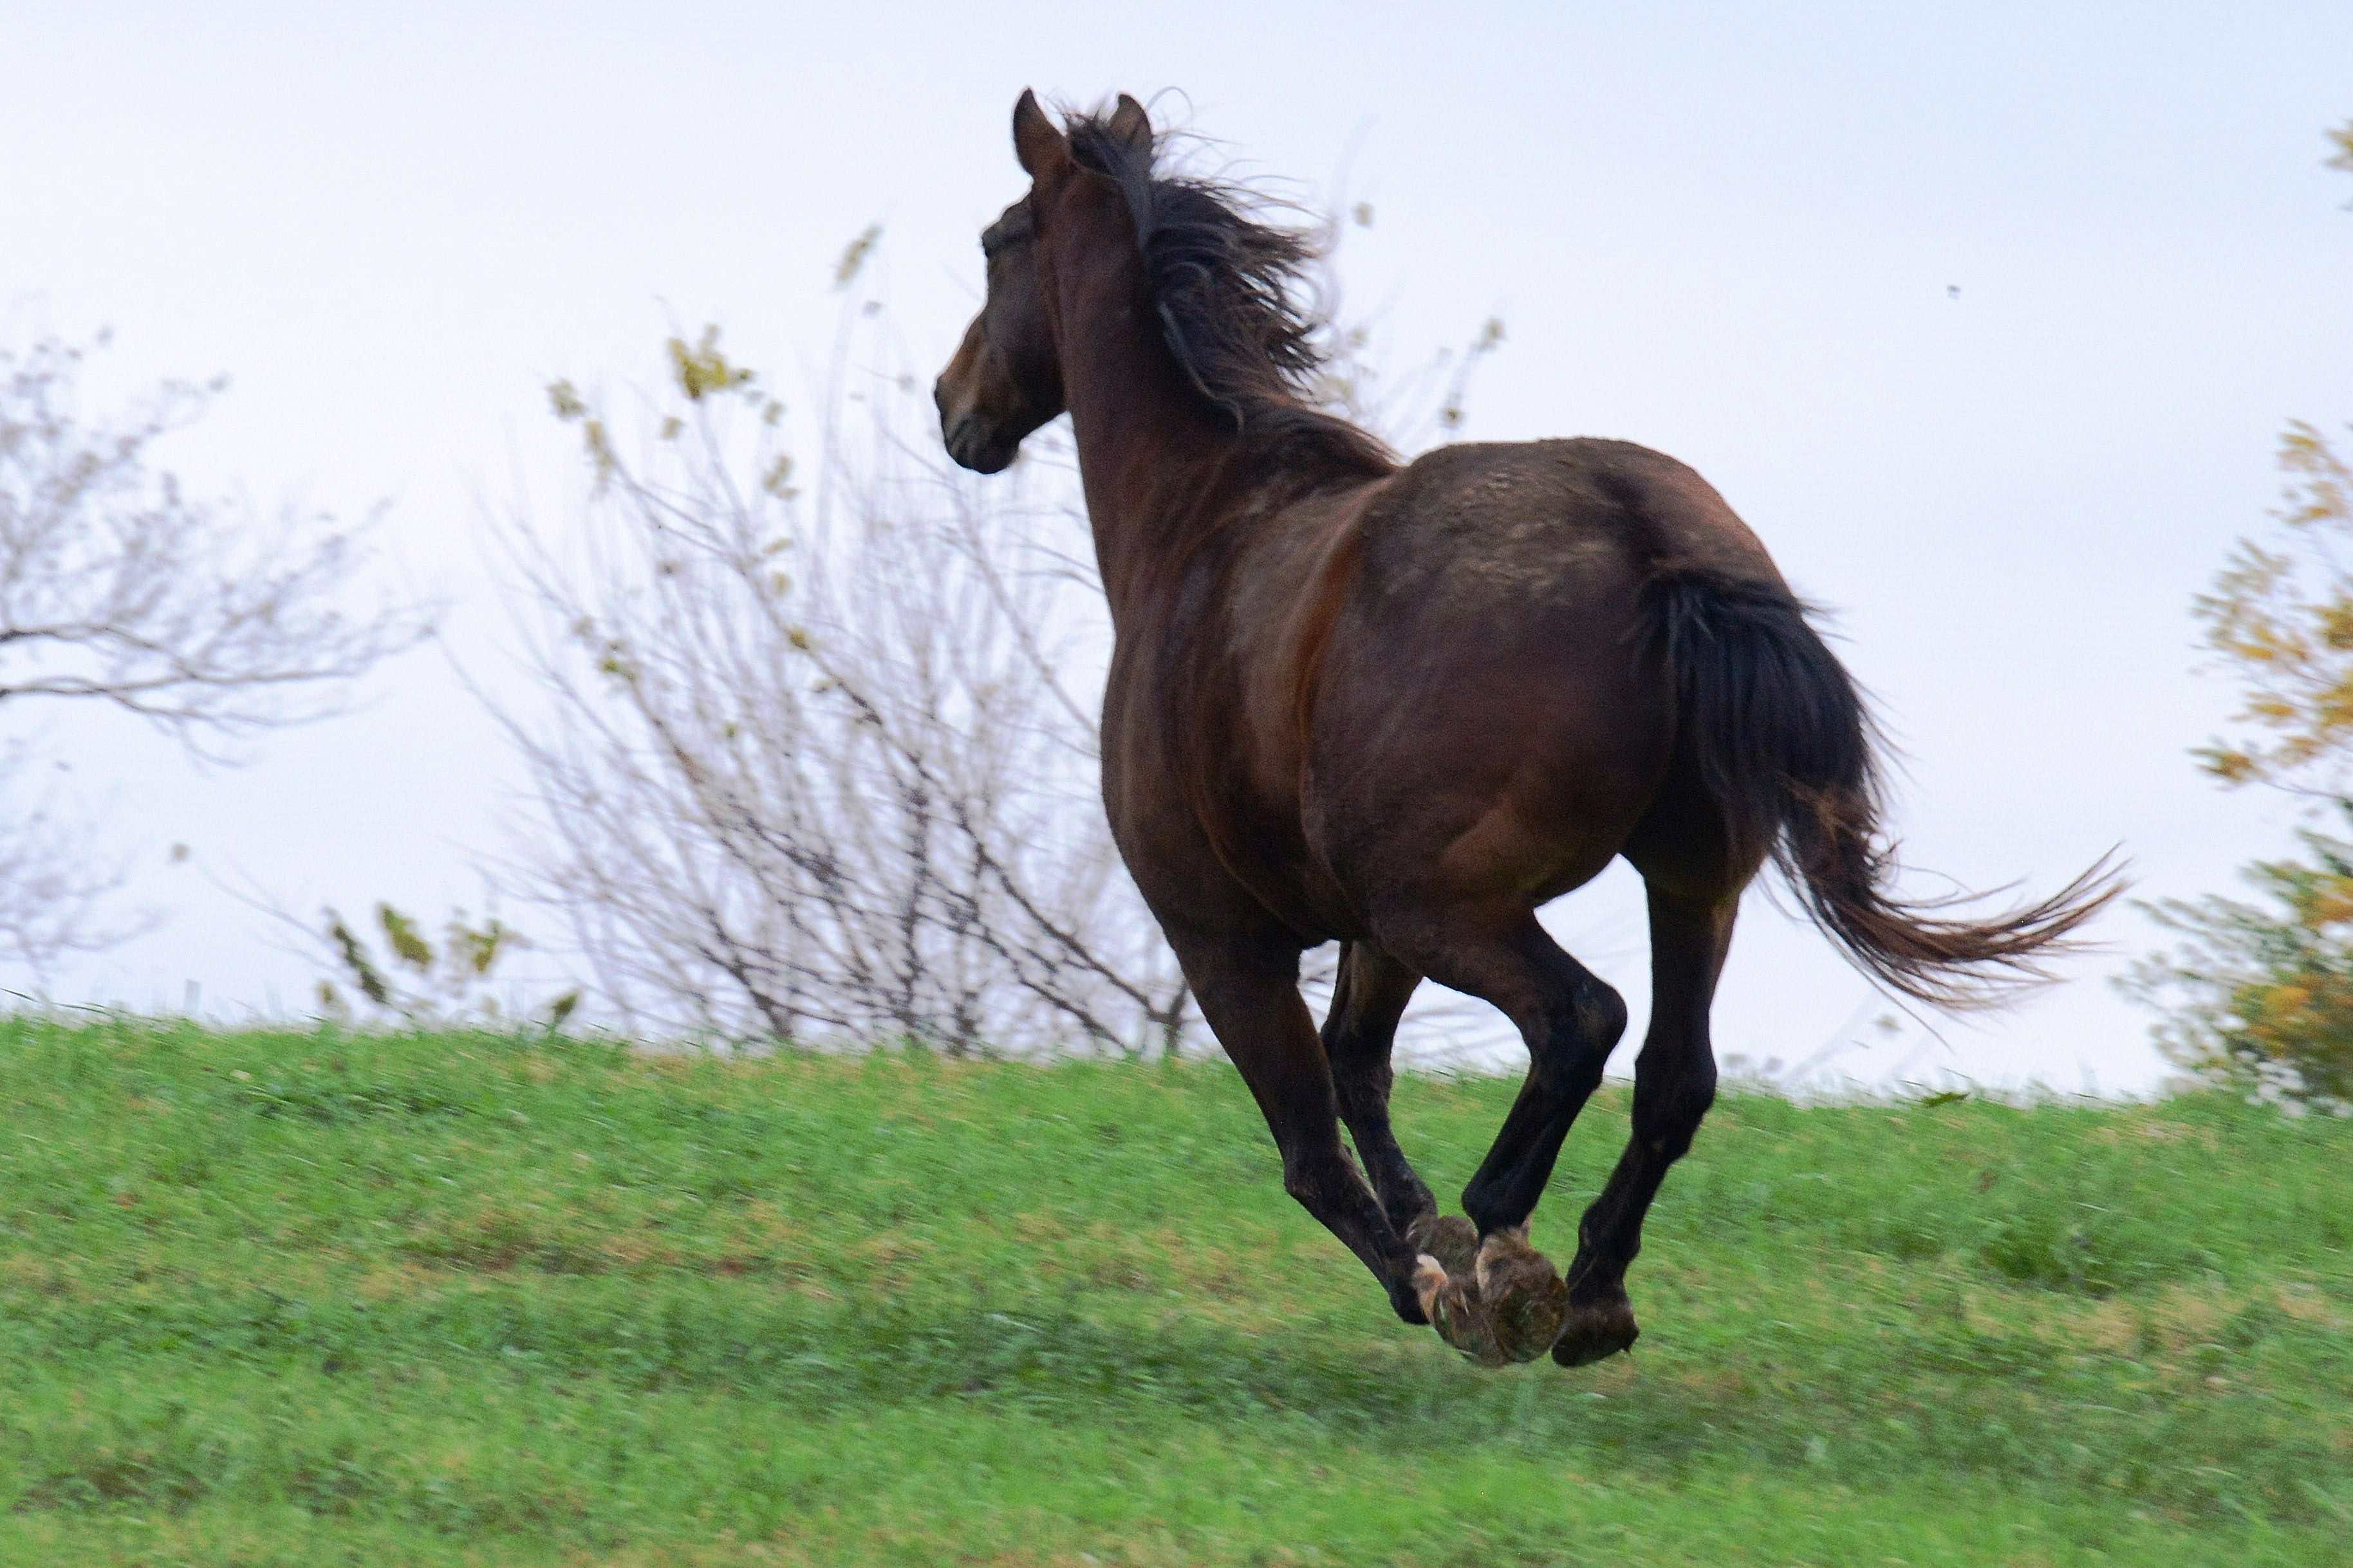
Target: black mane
<point>1228,287</point>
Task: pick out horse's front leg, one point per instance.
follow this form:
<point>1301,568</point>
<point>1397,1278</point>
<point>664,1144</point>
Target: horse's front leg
<point>1249,993</point>
<point>1367,998</point>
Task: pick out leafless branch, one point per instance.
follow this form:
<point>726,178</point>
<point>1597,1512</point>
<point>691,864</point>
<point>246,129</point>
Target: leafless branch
<point>824,765</point>
<point>120,588</point>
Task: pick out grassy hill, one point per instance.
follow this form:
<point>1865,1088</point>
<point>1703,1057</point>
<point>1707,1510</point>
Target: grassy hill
<point>308,1299</point>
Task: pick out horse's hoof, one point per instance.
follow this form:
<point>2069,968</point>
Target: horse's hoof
<point>1526,1303</point>
<point>1497,1300</point>
<point>1451,1304</point>
<point>1596,1330</point>
<point>1451,1239</point>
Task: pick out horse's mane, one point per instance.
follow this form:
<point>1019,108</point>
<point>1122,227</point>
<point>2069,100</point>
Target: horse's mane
<point>1228,289</point>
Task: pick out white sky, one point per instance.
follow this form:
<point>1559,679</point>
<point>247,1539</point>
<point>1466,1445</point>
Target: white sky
<point>1727,232</point>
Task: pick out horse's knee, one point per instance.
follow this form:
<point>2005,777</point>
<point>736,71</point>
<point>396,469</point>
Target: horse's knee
<point>1601,1013</point>
<point>1581,1032</point>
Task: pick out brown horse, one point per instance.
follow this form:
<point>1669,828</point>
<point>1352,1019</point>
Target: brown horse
<point>1402,706</point>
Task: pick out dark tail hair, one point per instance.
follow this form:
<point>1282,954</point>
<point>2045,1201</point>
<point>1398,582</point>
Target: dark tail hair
<point>1787,749</point>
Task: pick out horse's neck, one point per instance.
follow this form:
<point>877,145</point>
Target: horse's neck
<point>1154,463</point>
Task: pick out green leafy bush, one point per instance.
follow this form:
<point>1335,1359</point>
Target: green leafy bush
<point>2261,994</point>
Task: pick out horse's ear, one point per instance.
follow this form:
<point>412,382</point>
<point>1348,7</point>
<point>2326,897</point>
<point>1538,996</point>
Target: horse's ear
<point>1131,125</point>
<point>1042,149</point>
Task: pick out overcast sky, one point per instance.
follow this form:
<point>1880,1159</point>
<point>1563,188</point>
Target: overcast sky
<point>1985,316</point>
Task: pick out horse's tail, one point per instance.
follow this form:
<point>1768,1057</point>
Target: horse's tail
<point>1787,750</point>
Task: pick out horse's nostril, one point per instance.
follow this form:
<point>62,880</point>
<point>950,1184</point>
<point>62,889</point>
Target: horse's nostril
<point>940,396</point>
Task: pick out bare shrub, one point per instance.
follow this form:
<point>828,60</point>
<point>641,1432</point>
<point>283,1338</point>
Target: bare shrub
<point>813,752</point>
<point>119,589</point>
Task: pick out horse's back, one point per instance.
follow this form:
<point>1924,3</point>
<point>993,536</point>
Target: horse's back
<point>1542,520</point>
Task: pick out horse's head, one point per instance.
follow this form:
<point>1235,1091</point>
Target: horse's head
<point>1005,379</point>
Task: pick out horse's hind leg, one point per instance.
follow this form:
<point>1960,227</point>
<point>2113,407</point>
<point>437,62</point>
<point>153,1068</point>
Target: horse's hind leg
<point>1674,1083</point>
<point>1570,1019</point>
<point>1367,999</point>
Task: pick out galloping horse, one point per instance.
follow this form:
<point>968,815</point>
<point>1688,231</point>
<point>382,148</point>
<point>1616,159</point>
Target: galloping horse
<point>1404,705</point>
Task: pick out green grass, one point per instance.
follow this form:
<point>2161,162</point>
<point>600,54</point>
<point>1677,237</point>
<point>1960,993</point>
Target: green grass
<point>310,1298</point>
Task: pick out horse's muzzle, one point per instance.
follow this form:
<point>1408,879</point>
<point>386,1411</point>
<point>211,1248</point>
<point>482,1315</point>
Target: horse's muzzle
<point>970,444</point>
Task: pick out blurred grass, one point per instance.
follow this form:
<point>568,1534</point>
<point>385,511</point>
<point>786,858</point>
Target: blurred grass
<point>320,1298</point>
